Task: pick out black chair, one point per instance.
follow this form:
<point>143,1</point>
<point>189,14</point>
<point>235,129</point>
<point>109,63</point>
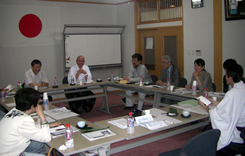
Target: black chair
<point>214,87</point>
<point>183,82</point>
<point>154,78</point>
<point>204,144</point>
<point>236,147</point>
<point>65,80</point>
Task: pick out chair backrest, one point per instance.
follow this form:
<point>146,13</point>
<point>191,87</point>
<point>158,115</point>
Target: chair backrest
<point>154,78</point>
<point>65,80</point>
<point>183,82</point>
<point>203,144</point>
<point>214,87</point>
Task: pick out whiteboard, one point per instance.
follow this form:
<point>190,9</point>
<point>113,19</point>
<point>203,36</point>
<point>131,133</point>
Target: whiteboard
<point>98,49</point>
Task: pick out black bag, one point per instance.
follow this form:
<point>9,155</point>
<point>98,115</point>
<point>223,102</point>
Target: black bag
<point>80,105</point>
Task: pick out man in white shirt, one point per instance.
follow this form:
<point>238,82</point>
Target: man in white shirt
<point>35,76</point>
<point>80,71</point>
<point>229,114</point>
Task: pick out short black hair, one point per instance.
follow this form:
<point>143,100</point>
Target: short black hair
<point>138,56</point>
<point>229,62</point>
<point>235,71</point>
<point>36,61</point>
<point>25,98</point>
<point>200,62</point>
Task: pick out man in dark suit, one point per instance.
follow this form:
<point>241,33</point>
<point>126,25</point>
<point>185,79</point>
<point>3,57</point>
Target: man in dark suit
<point>169,71</point>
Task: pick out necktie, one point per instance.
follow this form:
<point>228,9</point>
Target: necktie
<point>168,74</point>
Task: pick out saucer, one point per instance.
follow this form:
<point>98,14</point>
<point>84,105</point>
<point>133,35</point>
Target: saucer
<point>172,114</point>
<point>185,116</point>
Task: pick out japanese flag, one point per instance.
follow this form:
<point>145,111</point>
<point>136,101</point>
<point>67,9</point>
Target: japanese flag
<point>29,25</point>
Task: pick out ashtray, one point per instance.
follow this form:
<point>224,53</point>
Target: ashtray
<point>172,114</point>
<point>99,80</point>
<point>55,87</point>
<point>83,127</point>
<point>185,116</point>
<point>72,84</point>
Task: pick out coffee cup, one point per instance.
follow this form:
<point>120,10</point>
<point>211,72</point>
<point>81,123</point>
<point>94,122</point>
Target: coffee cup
<point>36,87</point>
<point>186,113</point>
<point>147,112</point>
<point>81,82</point>
<point>172,87</point>
<point>81,124</point>
<point>214,98</point>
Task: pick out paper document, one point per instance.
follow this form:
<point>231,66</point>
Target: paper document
<point>98,134</point>
<point>157,112</point>
<point>121,123</point>
<point>148,122</point>
<point>182,91</point>
<point>11,104</point>
<point>60,113</point>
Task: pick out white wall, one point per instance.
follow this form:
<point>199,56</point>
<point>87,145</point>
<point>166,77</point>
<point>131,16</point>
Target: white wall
<point>198,35</point>
<point>14,61</point>
<point>234,40</point>
<point>126,17</point>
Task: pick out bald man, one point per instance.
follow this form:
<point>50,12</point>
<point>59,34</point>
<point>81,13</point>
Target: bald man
<point>80,71</point>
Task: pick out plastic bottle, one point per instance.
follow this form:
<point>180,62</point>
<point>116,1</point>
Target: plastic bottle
<point>55,81</point>
<point>168,84</point>
<point>141,81</point>
<point>72,80</point>
<point>69,142</point>
<point>112,77</point>
<point>194,88</point>
<point>18,85</point>
<point>130,123</point>
<point>2,95</point>
<point>205,92</point>
<point>45,101</point>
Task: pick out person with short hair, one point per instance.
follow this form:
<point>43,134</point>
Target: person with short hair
<point>18,129</point>
<point>35,76</point>
<point>80,71</point>
<point>202,77</point>
<point>227,63</point>
<point>229,114</point>
<point>137,69</point>
<point>169,71</point>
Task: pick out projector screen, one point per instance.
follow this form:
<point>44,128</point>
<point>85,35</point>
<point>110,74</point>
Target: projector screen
<point>98,49</point>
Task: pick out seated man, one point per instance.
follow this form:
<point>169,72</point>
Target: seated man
<point>171,72</point>
<point>229,114</point>
<point>80,71</point>
<point>35,76</point>
<point>136,70</point>
<point>17,127</point>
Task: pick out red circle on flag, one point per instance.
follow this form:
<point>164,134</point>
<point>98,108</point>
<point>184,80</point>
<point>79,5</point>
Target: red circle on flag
<point>30,25</point>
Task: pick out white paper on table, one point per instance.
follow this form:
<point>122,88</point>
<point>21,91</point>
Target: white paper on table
<point>148,122</point>
<point>60,131</point>
<point>59,113</point>
<point>11,104</point>
<point>98,134</point>
<point>121,123</point>
<point>157,112</point>
<point>167,120</point>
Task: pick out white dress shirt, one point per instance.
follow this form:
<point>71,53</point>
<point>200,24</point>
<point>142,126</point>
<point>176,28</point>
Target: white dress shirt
<point>73,71</point>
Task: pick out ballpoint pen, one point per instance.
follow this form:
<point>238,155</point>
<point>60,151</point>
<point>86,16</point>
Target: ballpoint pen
<point>169,121</point>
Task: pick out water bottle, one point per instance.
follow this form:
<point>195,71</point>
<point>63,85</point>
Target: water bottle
<point>112,77</point>
<point>130,123</point>
<point>72,80</point>
<point>45,101</point>
<point>19,85</point>
<point>168,84</point>
<point>55,81</point>
<point>194,88</point>
<point>69,142</point>
<point>141,81</point>
<point>205,93</point>
<point>2,95</point>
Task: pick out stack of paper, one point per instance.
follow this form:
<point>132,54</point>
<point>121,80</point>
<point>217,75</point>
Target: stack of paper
<point>60,113</point>
<point>148,122</point>
<point>98,134</point>
<point>121,123</point>
<point>182,91</point>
